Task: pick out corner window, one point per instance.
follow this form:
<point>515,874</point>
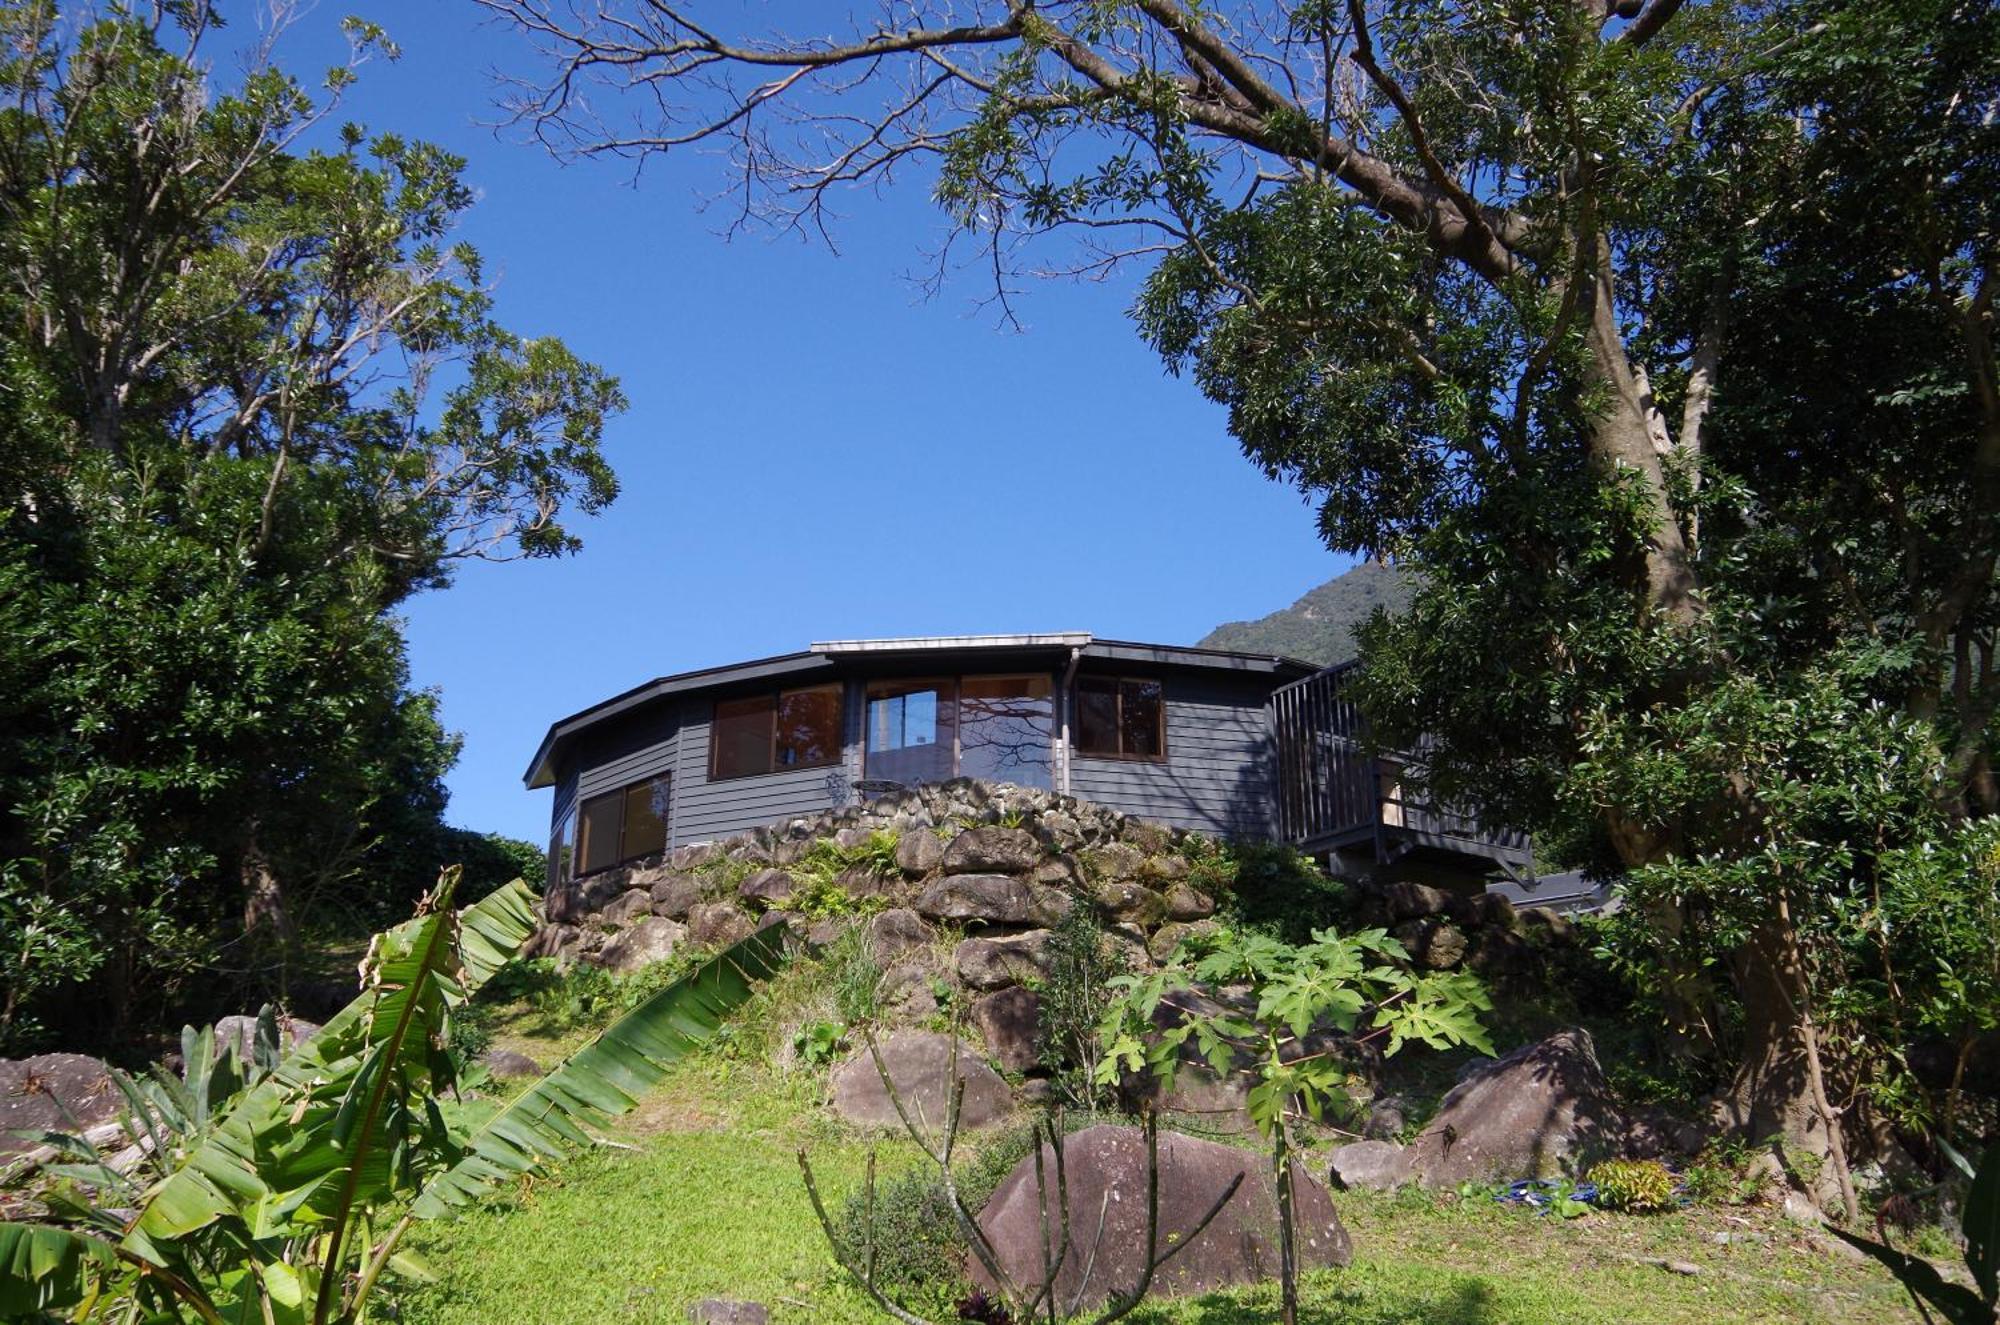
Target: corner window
<point>621,825</point>
<point>775,732</point>
<point>562,849</point>
<point>1121,717</point>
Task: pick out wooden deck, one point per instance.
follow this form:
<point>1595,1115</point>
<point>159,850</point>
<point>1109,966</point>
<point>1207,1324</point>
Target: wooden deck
<point>1335,795</point>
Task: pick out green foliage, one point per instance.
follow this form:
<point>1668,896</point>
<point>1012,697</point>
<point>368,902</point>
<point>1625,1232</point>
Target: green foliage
<point>818,1043</point>
<point>278,406</point>
<point>1075,994</point>
<point>1979,1304</point>
<point>819,894</point>
<point>1265,886</point>
<point>1639,1186</point>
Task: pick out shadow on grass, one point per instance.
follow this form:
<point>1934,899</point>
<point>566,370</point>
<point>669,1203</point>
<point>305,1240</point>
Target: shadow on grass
<point>1469,1301</point>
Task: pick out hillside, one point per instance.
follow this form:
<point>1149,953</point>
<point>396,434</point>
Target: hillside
<point>1320,626</point>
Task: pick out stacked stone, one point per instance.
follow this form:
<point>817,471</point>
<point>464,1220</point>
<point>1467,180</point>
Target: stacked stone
<point>1446,929</point>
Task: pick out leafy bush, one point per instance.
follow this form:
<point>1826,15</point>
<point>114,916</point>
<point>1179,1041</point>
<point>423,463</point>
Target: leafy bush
<point>1074,996</point>
<point>1636,1186</point>
<point>819,1042</point>
<point>819,894</point>
<point>1721,1174</point>
<point>1262,885</point>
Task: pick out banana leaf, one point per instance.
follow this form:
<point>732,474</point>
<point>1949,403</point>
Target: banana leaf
<point>305,1136</point>
<point>1982,1226</point>
<point>606,1076</point>
<point>44,1268</point>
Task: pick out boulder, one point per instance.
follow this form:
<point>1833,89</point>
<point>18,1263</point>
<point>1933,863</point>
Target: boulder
<point>820,933</point>
<point>1010,1021</point>
<point>1186,902</point>
<point>1105,1171</point>
<point>860,881</point>
<point>728,1311</point>
<point>995,963</point>
<point>919,1063</point>
<point>1501,954</point>
<point>897,931</point>
<point>554,941</point>
<point>1167,869</point>
<point>907,989</point>
<point>1133,903</point>
<point>1169,936</point>
<point>627,907</point>
<point>578,898</point>
<point>767,888</point>
<point>1058,872</point>
<point>1414,901</point>
<point>1152,839</point>
<point>241,1031</point>
<point>651,940</point>
<point>918,853</point>
<point>1059,830</point>
<point>991,899</point>
<point>1436,944</point>
<point>1543,1111</point>
<point>1114,862</point>
<point>694,856</point>
<point>992,851</point>
<point>718,924</point>
<point>506,1065</point>
<point>674,895</point>
<point>53,1092</point>
<point>1370,1166</point>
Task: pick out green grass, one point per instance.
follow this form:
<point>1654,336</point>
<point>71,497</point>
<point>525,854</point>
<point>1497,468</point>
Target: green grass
<point>706,1200</point>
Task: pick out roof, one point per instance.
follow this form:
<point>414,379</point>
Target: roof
<point>828,659</point>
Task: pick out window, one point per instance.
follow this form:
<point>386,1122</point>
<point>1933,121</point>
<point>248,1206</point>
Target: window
<point>562,851</point>
<point>911,731</point>
<point>1121,717</point>
<point>772,733</point>
<point>1006,726</point>
<point>620,825</point>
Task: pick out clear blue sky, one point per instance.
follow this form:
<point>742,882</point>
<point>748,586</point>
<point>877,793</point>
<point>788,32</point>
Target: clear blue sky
<point>813,449</point>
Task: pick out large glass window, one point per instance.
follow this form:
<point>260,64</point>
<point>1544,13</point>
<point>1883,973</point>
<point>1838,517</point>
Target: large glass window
<point>1121,717</point>
<point>1006,726</point>
<point>562,850</point>
<point>773,732</point>
<point>621,825</point>
<point>911,730</point>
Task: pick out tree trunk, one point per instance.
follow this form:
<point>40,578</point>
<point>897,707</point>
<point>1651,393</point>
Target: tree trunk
<point>267,921</point>
<point>1779,1096</point>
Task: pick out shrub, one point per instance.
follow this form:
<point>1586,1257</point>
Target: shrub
<point>819,1042</point>
<point>1636,1186</point>
<point>819,895</point>
<point>1074,996</point>
<point>1263,885</point>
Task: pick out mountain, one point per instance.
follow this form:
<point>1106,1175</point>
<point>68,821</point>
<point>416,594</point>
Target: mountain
<point>1320,626</point>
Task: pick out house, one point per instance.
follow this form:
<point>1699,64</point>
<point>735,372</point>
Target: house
<point>1239,745</point>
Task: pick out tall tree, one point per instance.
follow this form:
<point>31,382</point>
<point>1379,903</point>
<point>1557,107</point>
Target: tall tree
<point>1658,335</point>
<point>254,397</point>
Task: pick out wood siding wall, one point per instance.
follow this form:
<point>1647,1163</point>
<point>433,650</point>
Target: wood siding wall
<point>1220,774</point>
<point>704,810</point>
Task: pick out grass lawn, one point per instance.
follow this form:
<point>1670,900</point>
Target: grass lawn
<point>707,1201</point>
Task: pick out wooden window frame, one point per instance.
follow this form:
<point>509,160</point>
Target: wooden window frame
<point>1118,684</point>
<point>772,767</point>
<point>582,803</point>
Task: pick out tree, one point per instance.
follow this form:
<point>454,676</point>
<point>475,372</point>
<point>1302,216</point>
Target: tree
<point>1656,336</point>
<point>255,397</point>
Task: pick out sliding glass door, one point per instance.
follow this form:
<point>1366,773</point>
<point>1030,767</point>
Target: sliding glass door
<point>911,731</point>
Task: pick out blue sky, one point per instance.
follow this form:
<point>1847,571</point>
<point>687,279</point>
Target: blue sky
<point>813,450</point>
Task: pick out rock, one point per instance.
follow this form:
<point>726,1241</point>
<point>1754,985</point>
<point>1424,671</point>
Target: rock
<point>1152,839</point>
<point>1414,901</point>
<point>1108,1161</point>
<point>674,895</point>
<point>728,1311</point>
<point>860,881</point>
<point>1009,1021</point>
<point>1543,1111</point>
<point>918,853</point>
<point>919,1063</point>
<point>53,1093</point>
<point>651,940</point>
<point>506,1065</point>
<point>1169,936</point>
<point>554,941</point>
<point>1386,1119</point>
<point>694,856</point>
<point>1370,1166</point>
<point>1052,905</point>
<point>1433,943</point>
<point>1059,830</point>
<point>718,924</point>
<point>849,838</point>
<point>1167,869</point>
<point>1502,954</point>
<point>628,906</point>
<point>1133,903</point>
<point>1186,902</point>
<point>992,899</point>
<point>907,988</point>
<point>767,888</point>
<point>1114,862</point>
<point>994,963</point>
<point>897,931</point>
<point>241,1031</point>
<point>992,851</point>
<point>1495,911</point>
<point>821,933</point>
<point>1058,872</point>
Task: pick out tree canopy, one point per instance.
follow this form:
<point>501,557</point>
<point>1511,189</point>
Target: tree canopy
<point>254,397</point>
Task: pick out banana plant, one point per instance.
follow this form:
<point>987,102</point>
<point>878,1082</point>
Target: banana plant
<point>1979,1304</point>
<point>277,1214</point>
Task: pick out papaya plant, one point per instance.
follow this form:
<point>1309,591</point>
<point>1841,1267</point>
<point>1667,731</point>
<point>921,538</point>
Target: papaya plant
<point>1360,985</point>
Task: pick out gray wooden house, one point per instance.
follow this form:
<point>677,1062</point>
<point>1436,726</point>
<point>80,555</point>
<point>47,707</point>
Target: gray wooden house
<point>1236,744</point>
